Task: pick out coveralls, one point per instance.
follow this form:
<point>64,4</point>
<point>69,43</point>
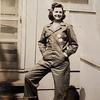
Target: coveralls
<point>56,47</point>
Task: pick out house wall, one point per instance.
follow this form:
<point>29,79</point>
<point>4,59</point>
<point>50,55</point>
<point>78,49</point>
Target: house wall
<point>90,72</point>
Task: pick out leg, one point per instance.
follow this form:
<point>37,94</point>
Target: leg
<point>32,79</point>
<point>61,75</point>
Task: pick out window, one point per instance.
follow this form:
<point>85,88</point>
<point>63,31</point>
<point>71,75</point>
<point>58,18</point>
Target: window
<point>75,1</point>
<point>11,34</point>
<point>78,5</point>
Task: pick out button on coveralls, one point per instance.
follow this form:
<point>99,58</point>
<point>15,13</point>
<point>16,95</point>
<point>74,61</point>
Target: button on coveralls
<point>53,46</point>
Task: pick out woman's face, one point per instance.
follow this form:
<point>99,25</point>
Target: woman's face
<point>57,14</point>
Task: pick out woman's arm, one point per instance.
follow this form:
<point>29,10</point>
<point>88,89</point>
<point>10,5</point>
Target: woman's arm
<point>72,44</point>
<point>42,42</point>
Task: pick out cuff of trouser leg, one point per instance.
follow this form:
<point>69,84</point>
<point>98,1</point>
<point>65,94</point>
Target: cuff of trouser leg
<point>36,85</point>
<point>27,79</point>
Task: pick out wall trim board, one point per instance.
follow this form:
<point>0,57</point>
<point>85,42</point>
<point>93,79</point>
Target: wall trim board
<point>51,89</point>
<point>75,71</point>
<point>25,71</point>
<point>81,11</point>
<point>90,62</point>
<point>13,70</point>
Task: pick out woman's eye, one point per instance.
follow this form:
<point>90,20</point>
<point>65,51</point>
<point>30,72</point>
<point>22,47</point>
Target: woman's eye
<point>60,12</point>
<point>56,11</point>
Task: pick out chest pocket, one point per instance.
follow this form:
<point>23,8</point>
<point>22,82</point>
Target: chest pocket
<point>62,36</point>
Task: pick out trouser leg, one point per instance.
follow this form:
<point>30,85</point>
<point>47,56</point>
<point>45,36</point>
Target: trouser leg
<point>61,75</point>
<point>32,79</point>
<point>30,90</point>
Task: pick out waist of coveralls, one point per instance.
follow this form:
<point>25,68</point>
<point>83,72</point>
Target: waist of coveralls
<point>54,56</point>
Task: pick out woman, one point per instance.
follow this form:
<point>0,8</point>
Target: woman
<point>57,43</point>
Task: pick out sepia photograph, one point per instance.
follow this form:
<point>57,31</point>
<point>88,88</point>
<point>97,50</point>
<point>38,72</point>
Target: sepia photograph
<point>49,49</point>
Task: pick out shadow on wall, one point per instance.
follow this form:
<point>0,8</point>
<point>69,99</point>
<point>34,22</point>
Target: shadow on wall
<point>82,94</point>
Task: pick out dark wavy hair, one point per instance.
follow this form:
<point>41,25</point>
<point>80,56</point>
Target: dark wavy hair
<point>56,5</point>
